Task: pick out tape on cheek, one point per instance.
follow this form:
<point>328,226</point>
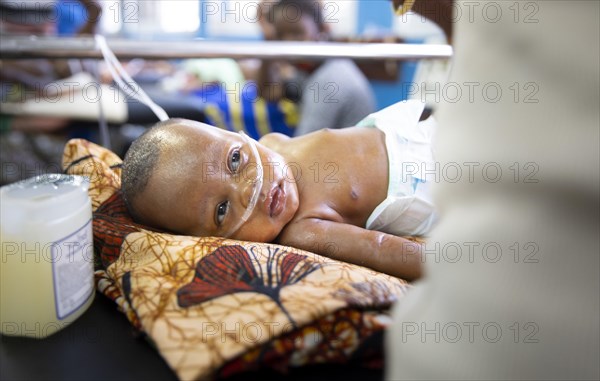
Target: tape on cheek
<point>258,182</point>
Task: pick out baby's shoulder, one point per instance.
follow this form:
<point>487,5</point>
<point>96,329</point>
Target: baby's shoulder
<point>273,140</point>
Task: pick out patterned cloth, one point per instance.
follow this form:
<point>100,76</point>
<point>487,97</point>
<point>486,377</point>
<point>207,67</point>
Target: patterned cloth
<point>216,307</point>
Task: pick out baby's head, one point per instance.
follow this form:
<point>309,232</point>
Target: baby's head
<point>191,178</point>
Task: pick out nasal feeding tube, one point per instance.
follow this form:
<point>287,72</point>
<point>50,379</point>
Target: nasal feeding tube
<point>258,182</point>
<point>118,73</point>
<point>125,82</point>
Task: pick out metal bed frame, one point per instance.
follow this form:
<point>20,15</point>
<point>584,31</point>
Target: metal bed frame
<point>19,47</point>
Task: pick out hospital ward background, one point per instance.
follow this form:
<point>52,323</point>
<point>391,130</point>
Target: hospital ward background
<point>510,268</point>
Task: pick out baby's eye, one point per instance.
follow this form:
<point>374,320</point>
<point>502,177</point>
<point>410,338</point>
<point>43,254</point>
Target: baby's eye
<point>234,161</point>
<point>221,212</point>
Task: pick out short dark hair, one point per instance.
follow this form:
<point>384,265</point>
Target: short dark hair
<point>140,162</point>
<point>311,8</point>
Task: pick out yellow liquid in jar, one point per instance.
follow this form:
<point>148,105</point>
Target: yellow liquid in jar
<point>46,283</point>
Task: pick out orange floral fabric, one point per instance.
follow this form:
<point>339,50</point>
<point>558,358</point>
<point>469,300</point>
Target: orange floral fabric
<point>211,305</point>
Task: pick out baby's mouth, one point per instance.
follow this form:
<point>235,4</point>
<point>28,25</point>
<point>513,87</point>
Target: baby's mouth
<point>276,200</point>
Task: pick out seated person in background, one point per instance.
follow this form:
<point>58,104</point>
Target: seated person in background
<point>333,93</point>
<point>324,192</point>
<point>231,103</point>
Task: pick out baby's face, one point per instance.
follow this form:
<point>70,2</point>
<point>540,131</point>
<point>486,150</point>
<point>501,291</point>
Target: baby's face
<point>206,179</point>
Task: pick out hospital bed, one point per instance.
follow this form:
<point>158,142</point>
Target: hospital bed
<point>102,344</point>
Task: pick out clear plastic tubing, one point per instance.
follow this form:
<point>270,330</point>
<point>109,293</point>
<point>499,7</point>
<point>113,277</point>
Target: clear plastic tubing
<point>258,182</point>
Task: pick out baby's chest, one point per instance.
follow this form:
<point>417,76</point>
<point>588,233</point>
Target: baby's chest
<point>340,199</point>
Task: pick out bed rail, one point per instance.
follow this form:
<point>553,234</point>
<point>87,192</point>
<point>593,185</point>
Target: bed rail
<point>86,47</point>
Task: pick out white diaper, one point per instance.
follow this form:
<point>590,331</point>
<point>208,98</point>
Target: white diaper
<point>408,208</point>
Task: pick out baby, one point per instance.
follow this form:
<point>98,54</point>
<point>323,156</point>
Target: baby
<point>347,194</point>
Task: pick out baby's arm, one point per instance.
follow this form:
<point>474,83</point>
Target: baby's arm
<point>379,251</point>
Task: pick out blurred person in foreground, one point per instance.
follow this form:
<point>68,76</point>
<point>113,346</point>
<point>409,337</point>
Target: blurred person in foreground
<point>511,280</point>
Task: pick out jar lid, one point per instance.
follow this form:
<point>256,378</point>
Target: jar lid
<point>42,198</point>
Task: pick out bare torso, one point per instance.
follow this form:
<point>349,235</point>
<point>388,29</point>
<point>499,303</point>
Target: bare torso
<point>342,175</point>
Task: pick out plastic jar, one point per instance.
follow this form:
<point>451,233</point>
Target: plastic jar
<point>46,265</point>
